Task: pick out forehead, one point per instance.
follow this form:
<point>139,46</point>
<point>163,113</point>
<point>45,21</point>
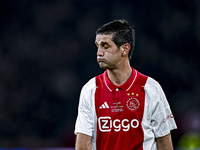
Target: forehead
<point>103,38</point>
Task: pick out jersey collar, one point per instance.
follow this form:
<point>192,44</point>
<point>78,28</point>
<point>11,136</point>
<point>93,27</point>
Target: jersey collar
<point>126,86</point>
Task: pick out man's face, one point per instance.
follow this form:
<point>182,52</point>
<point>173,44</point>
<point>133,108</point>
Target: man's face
<point>108,55</point>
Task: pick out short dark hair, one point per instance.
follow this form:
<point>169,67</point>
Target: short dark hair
<point>121,32</point>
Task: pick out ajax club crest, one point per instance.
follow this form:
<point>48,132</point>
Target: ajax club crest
<point>132,104</point>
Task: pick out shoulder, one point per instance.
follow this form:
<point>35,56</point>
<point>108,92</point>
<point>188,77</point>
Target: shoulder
<point>155,96</point>
<point>153,88</point>
<point>154,91</point>
<point>153,84</point>
<point>91,84</point>
<point>87,92</point>
<point>147,81</point>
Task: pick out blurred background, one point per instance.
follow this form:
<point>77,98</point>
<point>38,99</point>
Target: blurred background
<point>47,53</point>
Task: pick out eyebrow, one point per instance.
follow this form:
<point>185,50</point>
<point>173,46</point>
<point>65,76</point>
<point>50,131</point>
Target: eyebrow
<point>102,43</point>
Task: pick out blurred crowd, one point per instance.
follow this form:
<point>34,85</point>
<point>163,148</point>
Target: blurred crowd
<point>47,53</point>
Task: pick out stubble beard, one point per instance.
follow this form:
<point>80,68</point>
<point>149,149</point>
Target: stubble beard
<point>102,65</point>
<point>105,66</point>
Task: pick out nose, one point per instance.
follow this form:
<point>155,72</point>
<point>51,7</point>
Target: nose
<point>99,52</point>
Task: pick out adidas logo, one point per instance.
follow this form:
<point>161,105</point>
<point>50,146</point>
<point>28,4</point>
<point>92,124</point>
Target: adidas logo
<point>104,105</point>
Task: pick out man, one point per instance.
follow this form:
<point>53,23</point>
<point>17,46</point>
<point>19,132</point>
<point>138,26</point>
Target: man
<point>122,109</point>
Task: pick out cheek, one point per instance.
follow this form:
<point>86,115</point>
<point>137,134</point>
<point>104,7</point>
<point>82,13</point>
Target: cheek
<point>114,58</point>
<point>113,55</point>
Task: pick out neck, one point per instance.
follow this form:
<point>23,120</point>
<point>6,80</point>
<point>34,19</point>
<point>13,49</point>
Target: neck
<point>120,75</point>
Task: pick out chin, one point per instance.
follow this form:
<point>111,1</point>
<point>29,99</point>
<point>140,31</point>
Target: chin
<point>103,66</point>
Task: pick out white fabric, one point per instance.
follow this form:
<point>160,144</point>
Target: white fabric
<point>86,122</point>
<point>155,111</point>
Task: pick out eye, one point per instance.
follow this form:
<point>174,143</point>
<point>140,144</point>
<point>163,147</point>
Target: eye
<point>106,46</point>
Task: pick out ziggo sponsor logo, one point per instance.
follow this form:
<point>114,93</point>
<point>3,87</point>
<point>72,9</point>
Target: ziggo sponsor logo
<point>106,124</point>
<point>169,116</point>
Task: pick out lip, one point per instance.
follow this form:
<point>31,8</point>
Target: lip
<point>100,59</point>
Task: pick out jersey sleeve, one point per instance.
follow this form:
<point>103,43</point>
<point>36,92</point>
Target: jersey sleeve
<point>162,120</point>
<point>84,121</point>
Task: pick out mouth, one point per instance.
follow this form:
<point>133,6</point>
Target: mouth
<point>100,59</point>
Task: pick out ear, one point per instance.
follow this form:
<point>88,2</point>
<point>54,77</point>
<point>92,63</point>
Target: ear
<point>125,49</point>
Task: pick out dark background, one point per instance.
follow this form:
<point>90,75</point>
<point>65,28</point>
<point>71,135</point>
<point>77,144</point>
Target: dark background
<point>47,53</point>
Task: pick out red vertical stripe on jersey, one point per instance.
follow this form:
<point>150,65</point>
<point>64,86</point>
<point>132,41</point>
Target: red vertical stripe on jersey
<point>119,125</point>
